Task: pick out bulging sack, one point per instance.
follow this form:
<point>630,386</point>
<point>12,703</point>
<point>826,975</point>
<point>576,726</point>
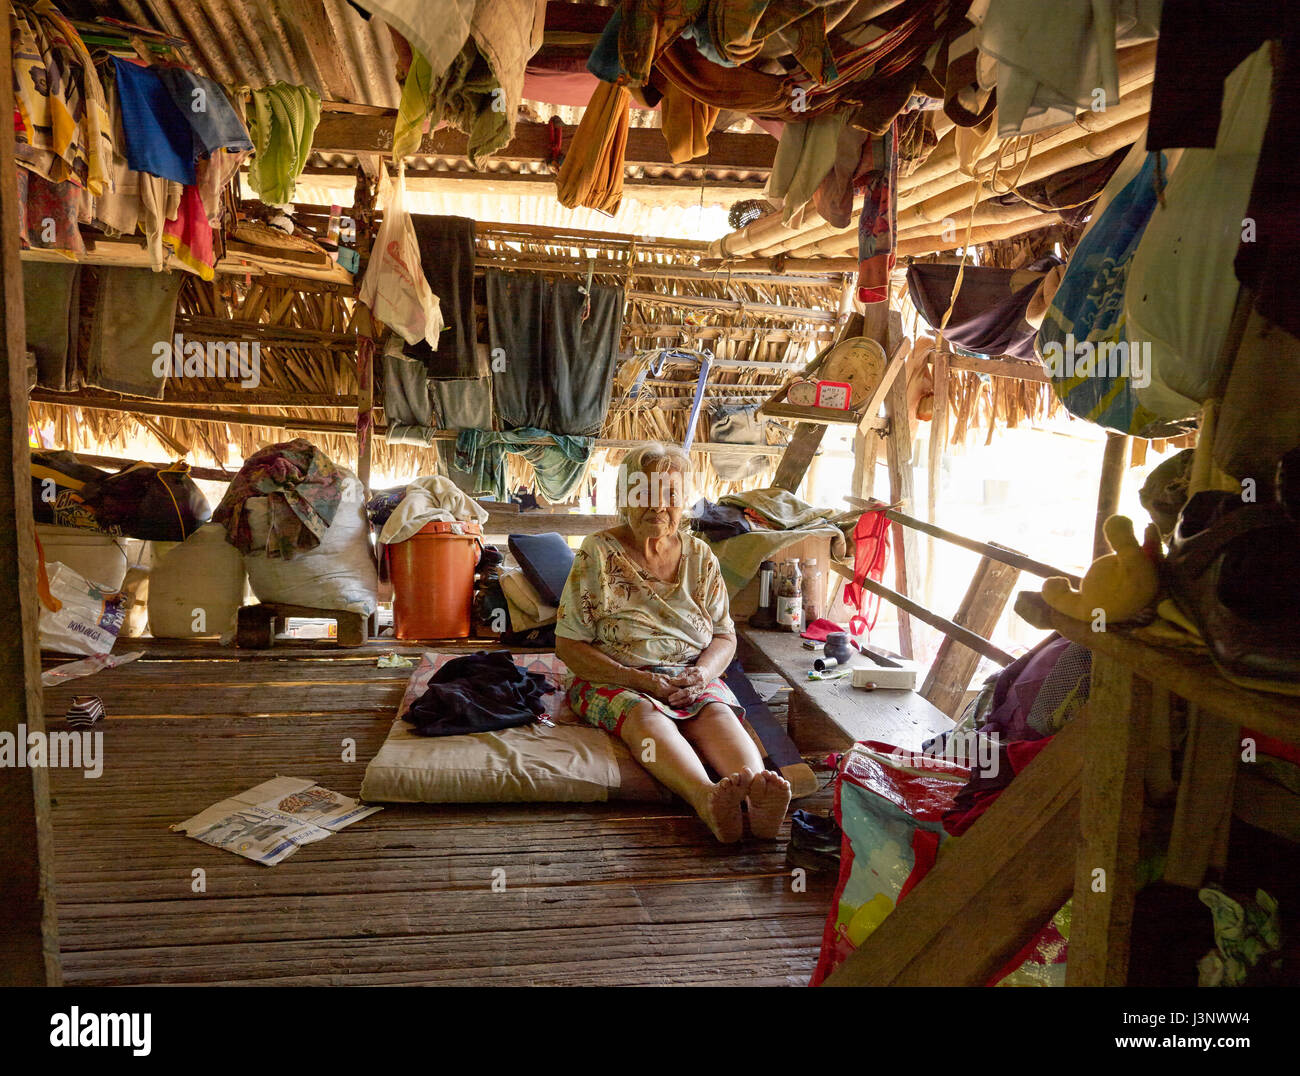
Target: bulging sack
<point>339,573</point>
<point>1182,286</point>
<point>395,287</point>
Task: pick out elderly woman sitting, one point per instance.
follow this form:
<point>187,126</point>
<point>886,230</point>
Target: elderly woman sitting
<point>644,627</point>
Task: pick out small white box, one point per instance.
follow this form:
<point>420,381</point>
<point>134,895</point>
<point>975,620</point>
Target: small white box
<point>903,678</point>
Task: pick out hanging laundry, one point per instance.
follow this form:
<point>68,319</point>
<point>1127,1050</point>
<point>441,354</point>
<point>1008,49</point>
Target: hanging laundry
<point>804,157</point>
<point>204,105</point>
<point>470,57</point>
<point>189,235</point>
<point>134,310</point>
<point>989,315</point>
<point>61,122</point>
<point>559,463</point>
<point>878,224</point>
<point>282,125</point>
<point>117,210</point>
<point>159,139</point>
<point>447,259</point>
<point>686,124</point>
<point>47,214</point>
<point>1046,68</point>
<point>462,405</point>
<point>303,489</point>
<point>160,201</point>
<point>407,408</point>
<point>414,107</point>
<point>51,303</point>
<point>592,172</point>
<point>559,347</point>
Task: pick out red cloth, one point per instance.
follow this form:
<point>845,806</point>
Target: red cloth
<point>870,558</point>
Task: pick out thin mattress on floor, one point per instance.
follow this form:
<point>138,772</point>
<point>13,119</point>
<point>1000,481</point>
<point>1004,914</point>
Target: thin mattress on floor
<point>565,762</point>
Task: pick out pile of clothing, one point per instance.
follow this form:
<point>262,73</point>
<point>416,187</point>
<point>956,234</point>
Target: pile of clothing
<point>745,529</point>
<point>480,692</point>
<point>302,488</point>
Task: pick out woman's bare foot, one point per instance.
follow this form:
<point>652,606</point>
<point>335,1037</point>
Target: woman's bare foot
<point>720,807</point>
<point>769,796</point>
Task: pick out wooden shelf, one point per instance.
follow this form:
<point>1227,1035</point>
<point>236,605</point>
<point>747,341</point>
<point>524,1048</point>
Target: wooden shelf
<point>1188,674</point>
<point>825,416</point>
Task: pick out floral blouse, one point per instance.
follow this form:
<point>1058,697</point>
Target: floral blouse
<point>628,614</point>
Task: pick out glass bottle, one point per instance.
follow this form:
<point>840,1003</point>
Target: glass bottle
<point>789,598</point>
<point>812,592</point>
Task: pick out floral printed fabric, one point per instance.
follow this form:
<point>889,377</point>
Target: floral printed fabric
<point>607,706</point>
<point>610,602</point>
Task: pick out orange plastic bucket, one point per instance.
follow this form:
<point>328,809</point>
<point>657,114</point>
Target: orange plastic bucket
<point>433,582</point>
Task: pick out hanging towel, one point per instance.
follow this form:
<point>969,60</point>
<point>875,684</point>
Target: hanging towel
<point>804,157</point>
<point>205,107</point>
<point>189,235</point>
<point>282,126</point>
<point>592,172</point>
<point>134,310</point>
<point>159,139</point>
<point>558,366</point>
<point>559,463</point>
<point>447,259</point>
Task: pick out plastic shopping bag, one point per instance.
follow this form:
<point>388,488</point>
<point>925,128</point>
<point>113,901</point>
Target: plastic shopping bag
<point>890,810</point>
<point>78,616</point>
<point>394,287</point>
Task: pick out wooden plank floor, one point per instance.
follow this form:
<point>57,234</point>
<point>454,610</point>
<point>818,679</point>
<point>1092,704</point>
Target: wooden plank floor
<point>604,894</point>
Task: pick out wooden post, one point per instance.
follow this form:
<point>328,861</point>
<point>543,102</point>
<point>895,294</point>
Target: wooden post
<point>365,407</point>
<point>1113,463</point>
<point>1204,807</point>
<point>934,466</point>
<point>29,940</point>
<point>1110,822</point>
<point>899,447</point>
<point>990,589</point>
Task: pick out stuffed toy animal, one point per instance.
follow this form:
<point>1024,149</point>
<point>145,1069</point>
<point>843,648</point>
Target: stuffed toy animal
<point>1121,584</point>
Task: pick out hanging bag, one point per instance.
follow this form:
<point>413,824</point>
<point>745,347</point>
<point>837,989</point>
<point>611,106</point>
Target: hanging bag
<point>1084,331</point>
<point>395,288</point>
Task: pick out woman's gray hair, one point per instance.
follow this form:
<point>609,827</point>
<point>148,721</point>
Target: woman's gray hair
<point>642,461</point>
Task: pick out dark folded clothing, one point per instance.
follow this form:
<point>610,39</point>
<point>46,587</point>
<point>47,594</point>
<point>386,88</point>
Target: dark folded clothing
<point>480,692</point>
<point>716,522</point>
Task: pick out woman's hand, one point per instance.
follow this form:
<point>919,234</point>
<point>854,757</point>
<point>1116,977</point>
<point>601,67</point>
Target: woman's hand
<point>688,686</point>
<point>658,685</point>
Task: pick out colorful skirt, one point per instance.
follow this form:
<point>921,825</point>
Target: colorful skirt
<point>607,705</point>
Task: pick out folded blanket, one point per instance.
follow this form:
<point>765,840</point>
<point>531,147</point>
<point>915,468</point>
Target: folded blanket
<point>780,508</point>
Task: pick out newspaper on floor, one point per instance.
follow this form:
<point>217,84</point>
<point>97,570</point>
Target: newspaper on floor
<point>272,821</point>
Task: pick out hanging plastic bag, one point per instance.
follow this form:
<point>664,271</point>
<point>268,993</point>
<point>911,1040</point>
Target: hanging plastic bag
<point>1084,341</point>
<point>1182,286</point>
<point>394,287</point>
